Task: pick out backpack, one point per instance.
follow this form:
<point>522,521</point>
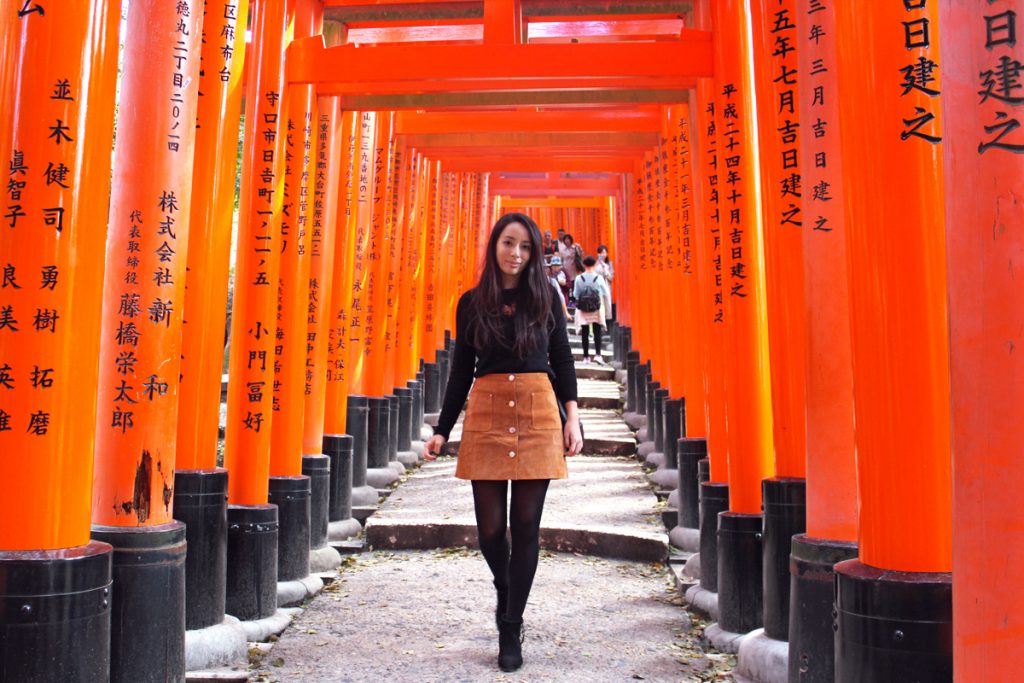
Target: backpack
<point>589,299</point>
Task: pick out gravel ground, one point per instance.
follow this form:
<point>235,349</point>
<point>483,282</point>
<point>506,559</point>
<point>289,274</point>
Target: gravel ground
<point>427,616</point>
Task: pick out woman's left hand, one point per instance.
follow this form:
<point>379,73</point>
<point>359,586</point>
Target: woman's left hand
<point>572,437</point>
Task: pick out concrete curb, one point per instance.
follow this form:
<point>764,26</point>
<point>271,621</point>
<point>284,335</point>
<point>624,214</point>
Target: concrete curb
<point>644,448</point>
<point>397,466</point>
<point>673,498</point>
<point>324,559</point>
<point>259,630</point>
<point>722,640</point>
<point>294,592</point>
<point>665,478</point>
<point>685,539</point>
<point>703,601</point>
<point>342,529</point>
<point>417,448</point>
<point>426,432</point>
<point>634,420</point>
<point>408,458</point>
<point>762,659</point>
<point>655,458</point>
<point>218,645</point>
<point>643,434</point>
<point>691,569</point>
<point>392,536</point>
<point>379,478</point>
<point>621,376</point>
<point>363,496</point>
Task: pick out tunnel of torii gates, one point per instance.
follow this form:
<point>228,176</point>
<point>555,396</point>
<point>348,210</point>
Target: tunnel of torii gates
<point>815,213</point>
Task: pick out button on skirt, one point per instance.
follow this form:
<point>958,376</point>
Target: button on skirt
<point>512,430</point>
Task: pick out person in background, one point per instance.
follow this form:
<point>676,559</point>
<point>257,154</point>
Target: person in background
<point>604,269</point>
<point>557,278</point>
<point>572,256</point>
<point>549,248</point>
<point>590,291</point>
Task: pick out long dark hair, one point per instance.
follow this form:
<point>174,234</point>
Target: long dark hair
<point>533,296</point>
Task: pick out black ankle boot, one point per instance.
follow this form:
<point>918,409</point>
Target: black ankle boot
<point>510,644</point>
<point>499,611</point>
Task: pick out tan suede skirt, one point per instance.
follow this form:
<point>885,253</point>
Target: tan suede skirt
<point>512,430</point>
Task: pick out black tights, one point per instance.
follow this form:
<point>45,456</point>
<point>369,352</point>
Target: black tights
<point>585,333</point>
<point>513,570</point>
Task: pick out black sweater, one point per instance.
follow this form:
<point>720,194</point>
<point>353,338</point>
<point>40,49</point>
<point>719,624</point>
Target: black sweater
<point>553,357</point>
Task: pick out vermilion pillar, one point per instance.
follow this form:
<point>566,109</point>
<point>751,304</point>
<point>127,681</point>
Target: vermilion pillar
<point>289,488</point>
<point>200,487</point>
<point>778,80</point>
<point>61,67</point>
<point>253,523</point>
<point>983,103</point>
<point>892,163</point>
<point>831,465</point>
<point>749,404</point>
<point>140,350</point>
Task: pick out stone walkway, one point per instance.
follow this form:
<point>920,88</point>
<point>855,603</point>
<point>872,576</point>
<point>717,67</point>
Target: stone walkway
<point>417,606</point>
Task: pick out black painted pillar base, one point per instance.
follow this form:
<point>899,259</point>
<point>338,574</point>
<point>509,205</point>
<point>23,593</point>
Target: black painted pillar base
<point>378,433</point>
<point>416,418</point>
<point>201,504</point>
<point>689,452</point>
<point>357,426</point>
<point>785,515</point>
<point>147,621</point>
<point>318,469</point>
<point>392,428</point>
<point>631,363</point>
<point>650,392</point>
<point>338,448</point>
<point>811,601</point>
<point>252,561</point>
<point>893,626</point>
<point>714,499</point>
<point>291,496</point>
<point>404,395</point>
<point>740,581</point>
<point>641,379</point>
<point>431,388</point>
<point>672,410</point>
<point>56,622</point>
<point>660,397</point>
<point>442,364</point>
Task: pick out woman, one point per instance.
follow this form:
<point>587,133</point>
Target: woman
<point>605,270</point>
<point>590,291</point>
<point>572,256</point>
<point>511,336</point>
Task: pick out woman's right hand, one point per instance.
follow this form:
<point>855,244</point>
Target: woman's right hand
<point>433,447</point>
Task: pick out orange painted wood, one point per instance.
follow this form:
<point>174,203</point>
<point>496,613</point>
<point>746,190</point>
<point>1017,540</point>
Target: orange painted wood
<point>209,245</point>
<point>360,252</point>
<point>831,461</point>
<point>896,250</point>
<point>144,279</point>
<point>322,273</point>
<point>378,253</point>
<point>984,217</point>
<point>746,340</point>
<point>340,376</point>
<point>778,81</point>
<point>257,261</point>
<point>432,265</point>
<point>391,68</point>
<point>634,119</point>
<point>290,347</point>
<point>62,72</point>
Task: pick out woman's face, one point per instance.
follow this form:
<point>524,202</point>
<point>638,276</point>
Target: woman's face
<point>602,255</point>
<point>514,249</point>
<point>567,240</point>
